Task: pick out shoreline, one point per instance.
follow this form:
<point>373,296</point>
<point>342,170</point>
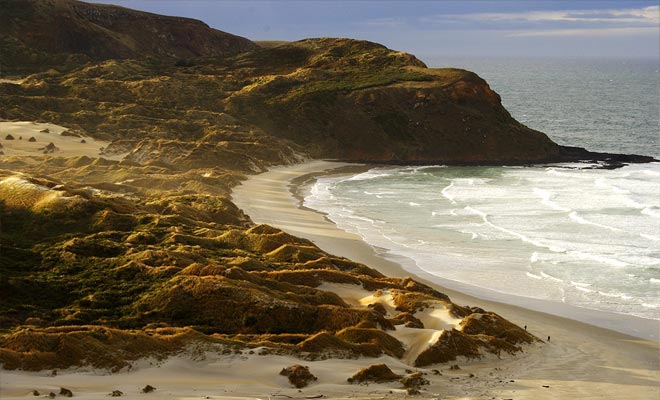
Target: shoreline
<point>598,356</point>
<point>400,266</point>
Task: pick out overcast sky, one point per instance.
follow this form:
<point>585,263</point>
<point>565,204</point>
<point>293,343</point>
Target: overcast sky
<point>594,28</point>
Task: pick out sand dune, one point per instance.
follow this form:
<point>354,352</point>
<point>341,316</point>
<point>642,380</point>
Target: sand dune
<point>66,142</point>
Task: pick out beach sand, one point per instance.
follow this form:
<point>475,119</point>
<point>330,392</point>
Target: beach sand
<point>581,360</point>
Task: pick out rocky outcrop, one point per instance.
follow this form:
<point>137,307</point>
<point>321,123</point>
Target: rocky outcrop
<point>374,373</point>
<point>298,375</point>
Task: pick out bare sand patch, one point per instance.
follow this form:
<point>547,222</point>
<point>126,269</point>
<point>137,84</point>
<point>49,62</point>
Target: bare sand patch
<point>35,138</point>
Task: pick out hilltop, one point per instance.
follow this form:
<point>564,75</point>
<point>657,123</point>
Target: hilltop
<point>40,34</point>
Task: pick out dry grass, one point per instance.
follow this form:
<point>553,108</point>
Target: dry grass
<point>449,346</point>
<point>378,373</point>
<point>99,347</point>
<point>388,344</point>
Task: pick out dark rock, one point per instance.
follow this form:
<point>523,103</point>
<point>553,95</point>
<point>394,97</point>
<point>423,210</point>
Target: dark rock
<point>413,383</point>
<point>9,137</point>
<point>148,389</point>
<point>606,160</point>
<point>51,395</point>
<point>66,392</point>
<point>83,141</point>
<point>374,373</point>
<point>49,148</point>
<point>116,393</point>
<point>379,308</point>
<point>32,139</point>
<point>299,376</point>
<point>408,320</point>
<point>45,130</point>
<point>35,393</point>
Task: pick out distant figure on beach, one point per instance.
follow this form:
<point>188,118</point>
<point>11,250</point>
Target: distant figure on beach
<point>525,327</point>
<point>548,338</point>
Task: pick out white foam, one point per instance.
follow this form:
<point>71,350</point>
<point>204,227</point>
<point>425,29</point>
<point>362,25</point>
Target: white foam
<point>546,198</point>
<point>581,284</point>
<point>534,258</point>
<point>445,192</point>
<point>615,295</point>
<point>653,212</point>
<point>552,278</point>
<point>533,276</point>
<point>602,183</point>
<point>520,236</point>
<point>371,174</point>
<point>650,237</point>
<point>601,259</point>
<point>583,289</point>
<point>577,218</point>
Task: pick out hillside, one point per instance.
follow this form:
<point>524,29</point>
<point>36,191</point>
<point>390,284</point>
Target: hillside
<point>38,34</point>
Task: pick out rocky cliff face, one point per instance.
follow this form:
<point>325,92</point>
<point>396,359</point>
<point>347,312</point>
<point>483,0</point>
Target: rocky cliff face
<point>359,101</point>
<point>334,98</point>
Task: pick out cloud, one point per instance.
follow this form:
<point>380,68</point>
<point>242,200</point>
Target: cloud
<point>384,22</point>
<point>647,16</point>
<point>601,32</point>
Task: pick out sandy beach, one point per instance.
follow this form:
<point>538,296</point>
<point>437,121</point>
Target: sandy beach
<point>581,361</point>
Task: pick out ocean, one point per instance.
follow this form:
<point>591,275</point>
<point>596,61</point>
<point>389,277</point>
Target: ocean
<point>561,233</point>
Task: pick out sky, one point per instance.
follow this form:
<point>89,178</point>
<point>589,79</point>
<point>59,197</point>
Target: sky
<point>491,28</point>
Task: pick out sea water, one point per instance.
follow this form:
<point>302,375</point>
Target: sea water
<point>564,233</point>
